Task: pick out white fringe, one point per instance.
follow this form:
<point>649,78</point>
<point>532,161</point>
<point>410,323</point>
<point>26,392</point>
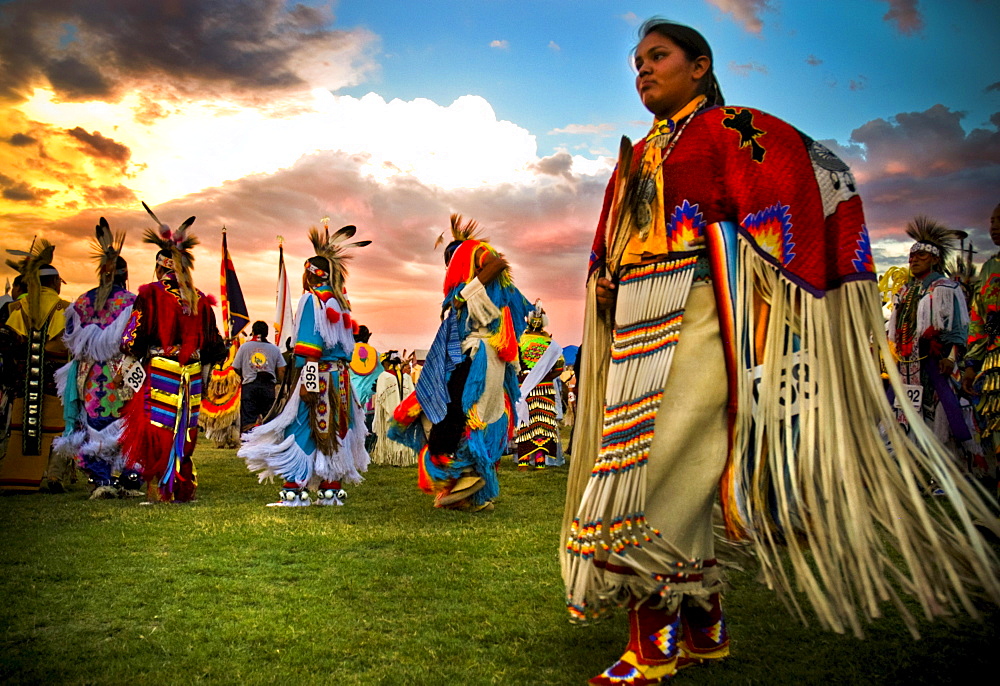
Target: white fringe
<point>62,376</point>
<point>936,311</point>
<point>101,444</point>
<point>267,450</point>
<point>853,495</point>
<point>277,460</point>
<point>90,341</point>
<point>332,333</point>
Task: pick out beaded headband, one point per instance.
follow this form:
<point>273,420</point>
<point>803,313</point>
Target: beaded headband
<point>313,269</point>
<point>926,247</point>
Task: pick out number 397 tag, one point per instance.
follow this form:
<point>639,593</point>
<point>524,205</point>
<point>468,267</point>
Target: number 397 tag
<point>310,377</point>
<point>134,376</point>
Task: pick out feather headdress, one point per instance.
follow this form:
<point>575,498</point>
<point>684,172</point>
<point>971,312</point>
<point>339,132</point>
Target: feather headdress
<point>537,319</point>
<point>459,232</point>
<point>35,263</point>
<point>932,237</point>
<point>105,250</point>
<point>179,244</point>
<point>334,249</point>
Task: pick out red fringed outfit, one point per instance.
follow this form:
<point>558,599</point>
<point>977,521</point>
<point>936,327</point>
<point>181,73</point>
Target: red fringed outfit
<point>161,421</point>
<point>744,339</point>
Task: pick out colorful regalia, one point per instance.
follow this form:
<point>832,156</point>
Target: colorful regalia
<point>172,333</point>
<point>221,403</point>
<point>32,337</point>
<point>391,387</point>
<point>929,324</point>
<point>91,385</point>
<point>468,385</point>
<point>317,440</point>
<point>983,355</point>
<point>744,344</point>
<point>364,375</point>
<point>540,408</point>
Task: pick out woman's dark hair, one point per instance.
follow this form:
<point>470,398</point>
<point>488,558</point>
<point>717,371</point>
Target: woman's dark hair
<point>694,46</point>
<point>259,328</point>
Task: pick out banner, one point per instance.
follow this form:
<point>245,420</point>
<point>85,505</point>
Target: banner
<point>283,324</point>
<point>234,309</point>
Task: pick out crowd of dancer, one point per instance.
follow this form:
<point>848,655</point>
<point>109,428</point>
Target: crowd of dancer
<point>121,380</point>
<point>731,287</point>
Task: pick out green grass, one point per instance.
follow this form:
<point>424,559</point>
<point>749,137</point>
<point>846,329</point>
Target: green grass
<point>386,590</point>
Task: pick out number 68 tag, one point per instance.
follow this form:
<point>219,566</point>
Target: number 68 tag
<point>134,375</point>
<point>310,377</point>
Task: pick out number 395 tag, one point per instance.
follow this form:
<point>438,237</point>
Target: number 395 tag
<point>310,377</point>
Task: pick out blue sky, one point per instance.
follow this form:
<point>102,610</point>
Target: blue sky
<point>266,115</point>
<point>567,62</point>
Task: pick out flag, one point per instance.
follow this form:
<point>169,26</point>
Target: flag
<point>234,307</point>
<point>283,319</point>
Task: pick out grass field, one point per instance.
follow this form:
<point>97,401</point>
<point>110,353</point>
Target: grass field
<point>385,590</point>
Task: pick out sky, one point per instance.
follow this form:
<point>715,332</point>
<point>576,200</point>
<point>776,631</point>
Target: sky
<point>265,116</point>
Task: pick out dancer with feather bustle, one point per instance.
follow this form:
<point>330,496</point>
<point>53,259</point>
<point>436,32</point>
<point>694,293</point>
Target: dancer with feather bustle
<point>927,333</point>
<point>317,439</point>
<point>171,335</point>
<point>731,346</point>
<point>468,385</point>
<point>91,386</point>
<point>32,339</point>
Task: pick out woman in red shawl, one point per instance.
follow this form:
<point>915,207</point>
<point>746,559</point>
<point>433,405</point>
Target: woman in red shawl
<point>731,289</point>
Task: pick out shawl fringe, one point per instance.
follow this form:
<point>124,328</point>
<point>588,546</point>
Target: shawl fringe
<point>820,470</point>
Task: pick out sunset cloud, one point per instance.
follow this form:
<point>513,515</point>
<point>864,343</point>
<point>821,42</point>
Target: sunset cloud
<point>746,12</point>
<point>244,124</point>
<point>905,15</point>
<point>926,163</point>
<point>462,144</point>
<point>744,70</point>
<point>544,226</point>
<point>99,146</point>
<point>185,46</point>
<point>586,129</point>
